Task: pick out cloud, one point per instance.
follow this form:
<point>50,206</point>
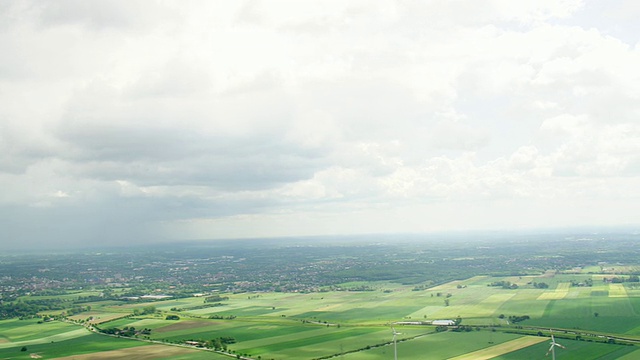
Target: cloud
<point>276,118</point>
<point>72,12</point>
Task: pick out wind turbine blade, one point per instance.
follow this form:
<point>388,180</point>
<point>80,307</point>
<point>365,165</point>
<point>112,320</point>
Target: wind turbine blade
<point>560,346</point>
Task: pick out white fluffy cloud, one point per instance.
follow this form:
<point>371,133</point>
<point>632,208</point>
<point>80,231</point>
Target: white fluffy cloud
<point>264,118</point>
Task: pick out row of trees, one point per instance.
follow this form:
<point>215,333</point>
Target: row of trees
<point>621,279</point>
<point>515,318</point>
<point>30,308</point>
<point>147,310</point>
<point>504,284</point>
<point>220,343</point>
<point>215,298</point>
<point>540,285</point>
<point>128,331</point>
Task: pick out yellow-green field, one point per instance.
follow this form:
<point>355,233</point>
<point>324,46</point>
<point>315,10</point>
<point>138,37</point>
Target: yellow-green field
<point>504,348</point>
<point>560,292</point>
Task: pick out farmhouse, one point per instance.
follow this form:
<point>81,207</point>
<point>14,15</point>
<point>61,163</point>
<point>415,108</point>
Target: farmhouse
<point>443,322</point>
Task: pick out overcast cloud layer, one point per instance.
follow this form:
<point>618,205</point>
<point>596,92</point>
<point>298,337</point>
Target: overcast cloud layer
<point>132,121</point>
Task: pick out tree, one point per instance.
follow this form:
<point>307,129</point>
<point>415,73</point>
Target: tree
<point>24,348</point>
<point>216,344</point>
<point>540,285</point>
<point>148,309</point>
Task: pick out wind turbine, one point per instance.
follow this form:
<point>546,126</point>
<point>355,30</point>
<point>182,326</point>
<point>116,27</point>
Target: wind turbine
<point>552,349</point>
<point>395,344</point>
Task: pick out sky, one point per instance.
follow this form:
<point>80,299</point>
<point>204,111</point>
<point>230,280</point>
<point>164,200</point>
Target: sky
<point>127,122</point>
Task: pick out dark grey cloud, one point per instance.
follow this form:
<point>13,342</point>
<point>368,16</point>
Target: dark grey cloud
<point>218,167</point>
<point>66,226</point>
<point>109,220</point>
<point>152,156</point>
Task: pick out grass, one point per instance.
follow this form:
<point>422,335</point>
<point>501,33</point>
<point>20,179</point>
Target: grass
<point>560,292</point>
<point>294,326</point>
<point>494,351</point>
<point>313,339</point>
<point>443,345</point>
<point>15,330</point>
<point>617,291</point>
<point>613,314</point>
<point>147,352</point>
<point>87,344</point>
<point>574,350</point>
<point>57,342</point>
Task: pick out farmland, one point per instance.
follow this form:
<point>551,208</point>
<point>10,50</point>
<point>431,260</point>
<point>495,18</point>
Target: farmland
<point>502,312</point>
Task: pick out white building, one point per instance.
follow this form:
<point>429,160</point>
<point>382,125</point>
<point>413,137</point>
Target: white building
<point>443,322</point>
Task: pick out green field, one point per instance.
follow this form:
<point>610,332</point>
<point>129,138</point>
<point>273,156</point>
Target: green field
<point>357,324</point>
<point>93,345</point>
<point>574,350</point>
<point>436,346</point>
<point>29,331</point>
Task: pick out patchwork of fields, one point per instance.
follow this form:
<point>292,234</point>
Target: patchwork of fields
<point>356,324</point>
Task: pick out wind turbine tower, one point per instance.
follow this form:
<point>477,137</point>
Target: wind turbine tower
<point>395,344</point>
<point>552,349</point>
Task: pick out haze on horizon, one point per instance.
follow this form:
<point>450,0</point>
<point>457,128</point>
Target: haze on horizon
<point>137,121</point>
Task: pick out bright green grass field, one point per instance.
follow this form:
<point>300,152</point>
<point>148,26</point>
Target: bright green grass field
<point>82,345</point>
<point>15,330</point>
<point>119,323</point>
<point>321,341</point>
<point>56,339</point>
<point>615,315</point>
<point>89,345</point>
<point>280,338</point>
<point>579,350</point>
<point>344,307</point>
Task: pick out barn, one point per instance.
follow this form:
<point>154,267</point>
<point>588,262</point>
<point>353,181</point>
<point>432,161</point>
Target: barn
<point>443,322</point>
